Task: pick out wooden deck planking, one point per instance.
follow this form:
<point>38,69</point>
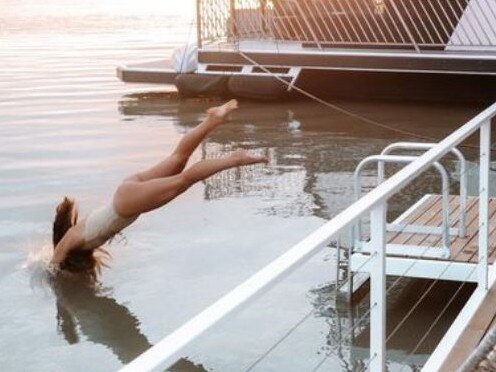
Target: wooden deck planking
<point>492,236</point>
<point>414,217</point>
<point>430,240</point>
<point>426,212</point>
<point>470,215</point>
<point>476,328</point>
<point>429,213</point>
<point>457,244</point>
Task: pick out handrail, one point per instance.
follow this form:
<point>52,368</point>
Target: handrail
<point>404,159</point>
<point>463,174</point>
<point>165,350</point>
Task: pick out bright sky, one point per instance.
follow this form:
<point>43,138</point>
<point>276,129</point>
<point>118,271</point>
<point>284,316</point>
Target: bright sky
<point>137,7</point>
<point>109,7</point>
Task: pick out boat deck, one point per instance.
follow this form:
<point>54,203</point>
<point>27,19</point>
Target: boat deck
<point>289,53</point>
<point>420,255</point>
<point>428,213</point>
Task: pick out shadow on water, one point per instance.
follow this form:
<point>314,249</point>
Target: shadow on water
<point>86,310</point>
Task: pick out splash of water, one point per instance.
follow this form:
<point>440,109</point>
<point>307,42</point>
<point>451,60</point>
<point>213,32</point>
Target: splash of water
<point>37,264</point>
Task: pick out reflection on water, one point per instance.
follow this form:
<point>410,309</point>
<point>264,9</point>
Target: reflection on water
<point>313,151</point>
<point>348,326</point>
<point>87,310</point>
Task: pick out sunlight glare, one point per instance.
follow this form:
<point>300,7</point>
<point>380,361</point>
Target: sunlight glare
<point>138,7</point>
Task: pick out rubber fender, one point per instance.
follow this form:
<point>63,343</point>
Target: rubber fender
<point>194,85</point>
<point>257,87</point>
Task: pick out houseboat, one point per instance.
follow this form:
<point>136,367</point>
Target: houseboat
<point>381,48</point>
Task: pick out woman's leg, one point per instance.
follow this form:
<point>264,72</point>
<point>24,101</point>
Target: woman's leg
<point>176,162</point>
<point>133,198</point>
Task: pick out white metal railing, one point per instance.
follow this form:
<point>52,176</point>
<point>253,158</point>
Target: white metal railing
<point>400,24</point>
<point>163,354</point>
<point>420,146</point>
<point>381,159</point>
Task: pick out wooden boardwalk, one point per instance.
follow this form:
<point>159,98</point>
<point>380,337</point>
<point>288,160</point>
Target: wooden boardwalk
<point>483,320</point>
<point>429,213</point>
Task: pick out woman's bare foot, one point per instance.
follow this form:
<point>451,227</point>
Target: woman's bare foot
<point>245,158</point>
<point>219,113</point>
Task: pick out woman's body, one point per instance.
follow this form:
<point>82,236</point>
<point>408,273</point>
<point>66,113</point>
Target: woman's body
<point>143,192</point>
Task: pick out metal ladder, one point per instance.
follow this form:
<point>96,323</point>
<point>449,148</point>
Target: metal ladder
<point>356,243</point>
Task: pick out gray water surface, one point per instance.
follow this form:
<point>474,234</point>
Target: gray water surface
<point>69,127</point>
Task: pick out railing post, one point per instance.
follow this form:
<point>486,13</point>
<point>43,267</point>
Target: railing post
<point>485,160</point>
<point>263,15</point>
<point>198,24</point>
<point>234,19</point>
<point>378,288</point>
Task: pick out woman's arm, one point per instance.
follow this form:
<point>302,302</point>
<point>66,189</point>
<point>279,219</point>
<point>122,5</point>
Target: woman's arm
<point>72,240</point>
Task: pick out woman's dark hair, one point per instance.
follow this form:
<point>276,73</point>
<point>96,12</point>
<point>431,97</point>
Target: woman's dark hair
<point>77,261</point>
<point>65,217</point>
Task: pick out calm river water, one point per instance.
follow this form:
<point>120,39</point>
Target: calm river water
<point>69,127</point>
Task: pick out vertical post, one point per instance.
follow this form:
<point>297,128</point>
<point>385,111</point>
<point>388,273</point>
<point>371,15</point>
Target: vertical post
<point>485,159</point>
<point>462,229</point>
<point>350,272</point>
<point>198,24</point>
<point>378,288</point>
<point>338,259</point>
<point>234,21</point>
<point>263,16</point>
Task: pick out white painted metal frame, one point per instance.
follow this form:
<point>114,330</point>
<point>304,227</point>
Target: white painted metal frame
<point>424,269</point>
<point>485,164</point>
<point>163,353</point>
<point>378,288</point>
<point>461,231</point>
<point>381,159</point>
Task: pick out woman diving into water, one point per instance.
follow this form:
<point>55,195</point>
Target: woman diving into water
<point>75,241</point>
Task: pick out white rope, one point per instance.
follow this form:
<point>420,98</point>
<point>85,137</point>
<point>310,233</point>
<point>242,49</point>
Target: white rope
<point>334,106</point>
<point>343,110</point>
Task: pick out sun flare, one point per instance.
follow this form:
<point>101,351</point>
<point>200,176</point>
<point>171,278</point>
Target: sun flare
<point>136,7</point>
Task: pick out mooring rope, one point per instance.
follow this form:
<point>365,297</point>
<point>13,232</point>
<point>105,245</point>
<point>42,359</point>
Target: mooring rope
<point>342,110</point>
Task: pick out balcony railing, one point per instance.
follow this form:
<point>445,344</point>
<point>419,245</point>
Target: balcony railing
<point>441,25</point>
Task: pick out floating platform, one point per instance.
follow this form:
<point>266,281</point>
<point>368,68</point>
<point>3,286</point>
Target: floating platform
<point>427,254</point>
<point>156,72</point>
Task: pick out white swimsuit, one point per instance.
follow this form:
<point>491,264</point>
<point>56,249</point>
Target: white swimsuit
<point>102,224</point>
